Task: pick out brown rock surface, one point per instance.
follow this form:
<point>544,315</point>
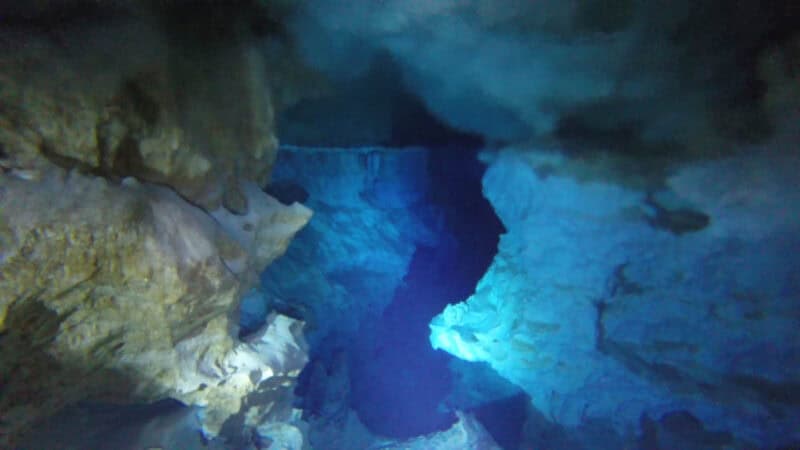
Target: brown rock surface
<point>116,283</point>
<point>119,292</point>
<point>130,99</point>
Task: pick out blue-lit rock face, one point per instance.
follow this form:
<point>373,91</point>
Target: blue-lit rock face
<point>606,302</point>
<point>396,234</point>
<point>344,268</point>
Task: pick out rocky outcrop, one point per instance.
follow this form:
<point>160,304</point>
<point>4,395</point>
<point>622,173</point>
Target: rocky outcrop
<point>123,292</point>
<point>131,214</point>
<point>600,311</point>
<point>369,218</point>
<point>131,98</point>
<point>269,360</point>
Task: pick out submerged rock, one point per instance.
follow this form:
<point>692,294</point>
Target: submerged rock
<point>343,270</point>
<point>122,293</point>
<point>598,315</point>
<point>129,98</point>
<point>117,137</point>
<point>466,434</point>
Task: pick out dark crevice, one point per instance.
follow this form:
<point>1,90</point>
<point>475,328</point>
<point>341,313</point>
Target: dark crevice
<point>675,220</point>
<point>617,284</point>
<point>128,159</point>
<point>53,16</point>
<point>287,192</point>
<point>375,108</point>
<point>399,382</point>
<point>726,389</point>
<point>783,393</point>
<point>136,99</point>
<point>66,162</point>
<point>505,419</point>
<point>413,124</point>
<point>599,330</point>
<point>396,383</point>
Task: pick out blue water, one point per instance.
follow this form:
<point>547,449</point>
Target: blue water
<point>398,381</point>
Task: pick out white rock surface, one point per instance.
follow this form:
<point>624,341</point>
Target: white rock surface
<point>125,289</point>
<point>596,314</point>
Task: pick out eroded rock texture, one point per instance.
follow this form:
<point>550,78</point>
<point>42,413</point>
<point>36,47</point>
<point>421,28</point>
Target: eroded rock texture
<point>370,215</point>
<point>609,302</point>
<point>136,98</point>
<point>121,291</point>
<point>131,218</point>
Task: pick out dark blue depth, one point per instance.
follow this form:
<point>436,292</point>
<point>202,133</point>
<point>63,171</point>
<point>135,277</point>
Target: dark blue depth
<point>398,382</point>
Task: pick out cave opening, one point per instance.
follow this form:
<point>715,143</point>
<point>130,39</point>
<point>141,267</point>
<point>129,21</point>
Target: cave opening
<point>369,307</point>
<point>399,382</point>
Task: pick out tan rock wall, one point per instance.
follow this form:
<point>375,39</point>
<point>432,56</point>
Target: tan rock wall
<point>116,141</point>
<point>131,99</point>
<point>102,285</point>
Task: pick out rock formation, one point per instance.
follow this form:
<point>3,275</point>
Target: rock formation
<point>597,313</point>
<point>370,215</point>
<point>131,218</point>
